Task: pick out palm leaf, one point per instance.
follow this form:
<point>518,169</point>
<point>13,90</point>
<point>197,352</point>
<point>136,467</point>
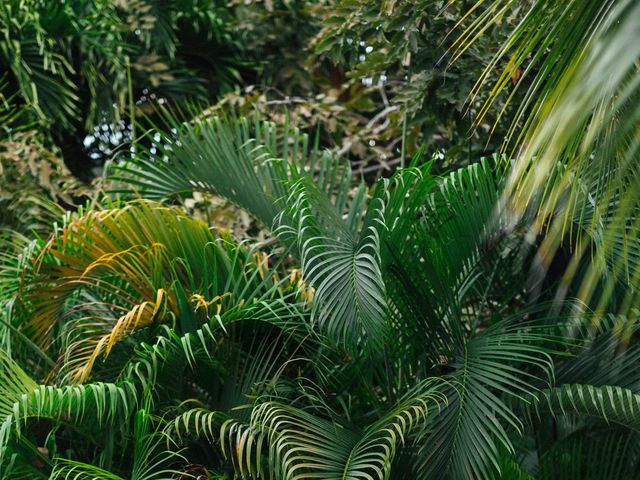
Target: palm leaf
<point>110,273</point>
<point>152,457</point>
<point>244,160</point>
<point>508,360</point>
<point>66,469</point>
<point>302,445</point>
<point>609,403</point>
<point>41,72</point>
<point>577,148</point>
<point>349,299</point>
<point>24,399</point>
<point>246,164</point>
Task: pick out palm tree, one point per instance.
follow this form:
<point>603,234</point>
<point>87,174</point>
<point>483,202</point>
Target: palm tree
<point>385,331</point>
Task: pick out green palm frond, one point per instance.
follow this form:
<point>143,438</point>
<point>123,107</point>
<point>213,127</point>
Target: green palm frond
<point>512,470</point>
<point>154,451</point>
<point>465,212</point>
<point>508,360</point>
<point>13,116</point>
<point>245,160</point>
<point>349,299</point>
<point>576,133</point>
<point>446,257</point>
<point>244,355</point>
<point>153,456</point>
<point>23,399</point>
<point>15,383</point>
<point>609,403</point>
<point>16,252</point>
<point>300,444</point>
<point>66,469</point>
<point>39,44</point>
<point>607,355</point>
<point>302,192</point>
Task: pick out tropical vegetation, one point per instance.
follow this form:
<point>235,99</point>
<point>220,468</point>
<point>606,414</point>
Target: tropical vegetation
<point>331,240</point>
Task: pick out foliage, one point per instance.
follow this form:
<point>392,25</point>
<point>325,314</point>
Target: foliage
<point>343,325</point>
<point>577,148</point>
<point>83,71</point>
<point>402,49</point>
<point>384,332</point>
<point>35,186</point>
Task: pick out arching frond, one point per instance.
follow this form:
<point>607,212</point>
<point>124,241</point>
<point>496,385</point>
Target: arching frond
<point>244,160</point>
<point>300,444</point>
<point>608,403</point>
<point>154,454</point>
<point>110,273</point>
<point>66,469</point>
<point>508,360</point>
<point>349,298</point>
<point>23,399</point>
<point>250,165</point>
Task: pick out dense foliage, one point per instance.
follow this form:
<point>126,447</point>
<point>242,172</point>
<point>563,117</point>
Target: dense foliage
<point>280,274</point>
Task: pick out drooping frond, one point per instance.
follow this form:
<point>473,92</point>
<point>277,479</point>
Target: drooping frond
<point>66,469</point>
<point>110,273</point>
<point>576,134</point>
<point>23,399</point>
<point>154,453</point>
<point>83,351</point>
<point>609,403</point>
<point>135,242</point>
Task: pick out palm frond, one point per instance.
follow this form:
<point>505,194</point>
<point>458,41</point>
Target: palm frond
<point>110,273</point>
<point>300,444</point>
<point>43,74</point>
<point>508,360</point>
<point>446,254</point>
<point>239,367</point>
<point>609,403</point>
<point>153,456</point>
<point>154,451</point>
<point>349,298</point>
<point>303,192</point>
<point>244,160</point>
<point>576,133</point>
<point>67,469</point>
<point>23,399</point>
<point>607,355</point>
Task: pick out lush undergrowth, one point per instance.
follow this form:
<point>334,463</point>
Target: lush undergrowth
<point>235,298</point>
